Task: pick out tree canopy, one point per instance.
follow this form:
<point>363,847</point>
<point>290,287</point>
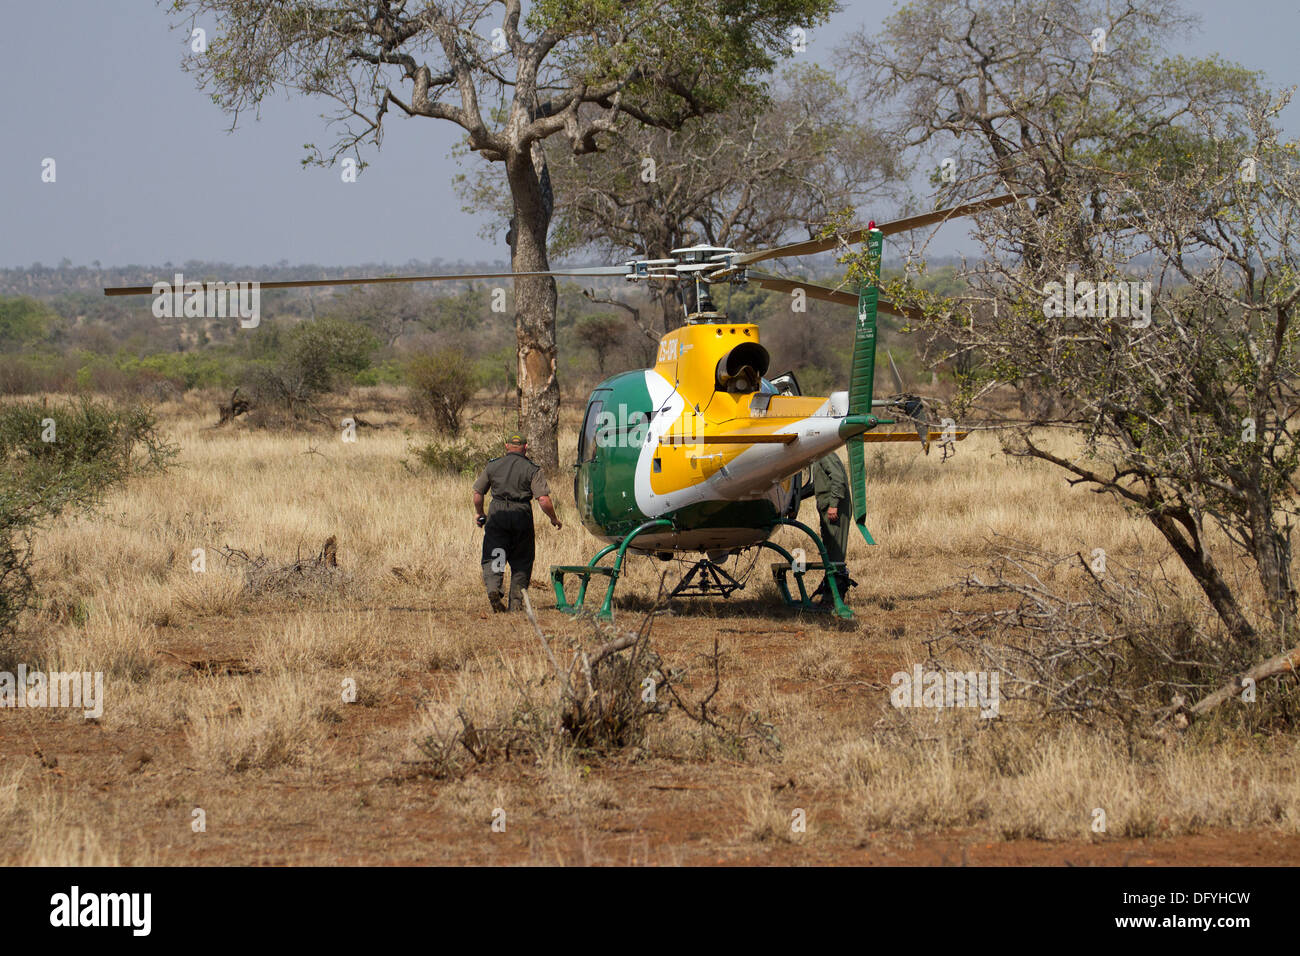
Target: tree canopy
<point>569,68</point>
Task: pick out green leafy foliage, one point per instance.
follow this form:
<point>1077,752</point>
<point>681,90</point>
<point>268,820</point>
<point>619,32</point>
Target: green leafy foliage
<point>23,321</point>
<point>321,352</point>
<point>56,458</point>
<point>442,383</point>
<point>463,455</point>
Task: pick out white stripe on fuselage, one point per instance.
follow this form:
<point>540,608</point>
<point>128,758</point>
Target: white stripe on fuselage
<point>755,473</point>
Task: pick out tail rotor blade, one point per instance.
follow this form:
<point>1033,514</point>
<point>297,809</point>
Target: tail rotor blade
<point>914,408</point>
<point>862,377</point>
<point>898,379</point>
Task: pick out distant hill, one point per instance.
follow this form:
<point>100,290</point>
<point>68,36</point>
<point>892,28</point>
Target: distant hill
<point>41,281</point>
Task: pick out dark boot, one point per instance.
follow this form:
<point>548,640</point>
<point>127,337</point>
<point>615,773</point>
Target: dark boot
<point>519,579</point>
<point>516,596</point>
<point>492,580</point>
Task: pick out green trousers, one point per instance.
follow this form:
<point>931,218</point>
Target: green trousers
<point>835,535</point>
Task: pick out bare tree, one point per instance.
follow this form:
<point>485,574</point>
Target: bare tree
<point>389,311</point>
<point>748,176</point>
<point>1149,286</point>
<point>568,68</point>
<point>601,333</point>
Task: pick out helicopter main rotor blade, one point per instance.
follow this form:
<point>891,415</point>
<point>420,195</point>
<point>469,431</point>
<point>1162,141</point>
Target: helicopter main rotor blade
<point>827,294</point>
<point>375,280</point>
<point>811,246</point>
<point>910,312</point>
<point>811,289</point>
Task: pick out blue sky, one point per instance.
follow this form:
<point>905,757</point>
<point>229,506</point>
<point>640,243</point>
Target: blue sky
<point>146,172</point>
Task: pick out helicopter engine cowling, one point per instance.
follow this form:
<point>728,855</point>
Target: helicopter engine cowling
<point>742,369</point>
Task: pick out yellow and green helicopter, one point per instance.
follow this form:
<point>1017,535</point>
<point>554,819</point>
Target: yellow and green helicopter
<point>702,454</point>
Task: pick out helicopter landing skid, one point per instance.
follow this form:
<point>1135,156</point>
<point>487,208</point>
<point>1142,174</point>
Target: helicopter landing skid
<point>584,572</point>
<point>713,581</point>
<point>800,567</point>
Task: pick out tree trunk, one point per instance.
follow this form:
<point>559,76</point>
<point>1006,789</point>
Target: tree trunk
<point>1272,554</point>
<point>535,300</point>
<point>671,305</point>
<point>1206,573</point>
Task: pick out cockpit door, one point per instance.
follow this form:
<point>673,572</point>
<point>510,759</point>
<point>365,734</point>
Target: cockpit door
<point>588,450</point>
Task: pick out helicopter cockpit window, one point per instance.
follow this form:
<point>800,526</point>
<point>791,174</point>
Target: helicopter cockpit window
<point>785,384</point>
<point>587,438</point>
<point>631,430</point>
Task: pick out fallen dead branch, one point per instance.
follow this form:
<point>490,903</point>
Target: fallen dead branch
<point>231,410</point>
<point>215,666</point>
<point>1178,716</point>
<point>604,695</point>
<point>1092,646</point>
<point>301,576</point>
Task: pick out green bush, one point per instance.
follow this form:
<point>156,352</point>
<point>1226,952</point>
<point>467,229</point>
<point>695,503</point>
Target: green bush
<point>385,373</point>
<point>23,321</point>
<point>202,369</point>
<point>124,374</point>
<point>314,357</point>
<point>324,350</point>
<point>56,458</point>
<point>442,383</point>
<point>464,456</point>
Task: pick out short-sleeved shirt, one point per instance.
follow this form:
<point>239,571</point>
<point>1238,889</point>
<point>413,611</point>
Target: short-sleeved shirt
<point>514,481</point>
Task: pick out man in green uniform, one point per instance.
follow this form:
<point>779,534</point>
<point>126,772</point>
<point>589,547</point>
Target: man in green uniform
<point>508,527</point>
<point>835,508</point>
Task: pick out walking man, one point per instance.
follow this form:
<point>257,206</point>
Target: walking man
<point>508,537</point>
<point>834,507</point>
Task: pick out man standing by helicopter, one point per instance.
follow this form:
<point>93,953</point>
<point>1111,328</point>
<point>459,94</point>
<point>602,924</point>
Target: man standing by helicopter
<point>508,536</point>
<point>834,507</point>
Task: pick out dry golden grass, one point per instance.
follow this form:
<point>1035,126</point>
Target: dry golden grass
<point>310,777</point>
<point>1024,782</point>
<point>9,781</point>
<point>268,493</point>
<point>237,725</point>
<point>769,819</point>
<point>56,838</point>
